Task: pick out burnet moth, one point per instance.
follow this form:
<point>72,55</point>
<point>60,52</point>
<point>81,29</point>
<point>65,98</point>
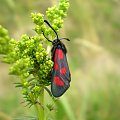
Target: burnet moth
<point>61,76</point>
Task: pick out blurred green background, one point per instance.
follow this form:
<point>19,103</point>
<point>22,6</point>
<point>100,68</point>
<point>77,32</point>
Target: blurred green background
<point>93,26</point>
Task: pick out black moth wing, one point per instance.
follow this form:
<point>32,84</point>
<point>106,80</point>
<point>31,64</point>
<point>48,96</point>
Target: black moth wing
<point>61,74</point>
<point>60,45</point>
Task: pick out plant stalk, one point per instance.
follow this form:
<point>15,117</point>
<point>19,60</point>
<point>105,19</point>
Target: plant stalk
<point>40,106</point>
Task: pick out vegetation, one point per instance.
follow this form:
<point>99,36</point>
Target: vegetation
<point>93,53</point>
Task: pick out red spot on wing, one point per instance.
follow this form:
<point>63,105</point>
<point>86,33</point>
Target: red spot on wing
<point>55,57</point>
<point>63,70</point>
<point>58,54</point>
<point>58,81</point>
<point>56,66</point>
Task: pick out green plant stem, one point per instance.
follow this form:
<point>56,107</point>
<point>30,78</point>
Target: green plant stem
<point>40,107</point>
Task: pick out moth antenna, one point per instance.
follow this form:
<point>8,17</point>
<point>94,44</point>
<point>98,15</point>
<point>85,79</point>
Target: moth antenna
<point>46,37</point>
<point>51,27</point>
<point>65,39</point>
